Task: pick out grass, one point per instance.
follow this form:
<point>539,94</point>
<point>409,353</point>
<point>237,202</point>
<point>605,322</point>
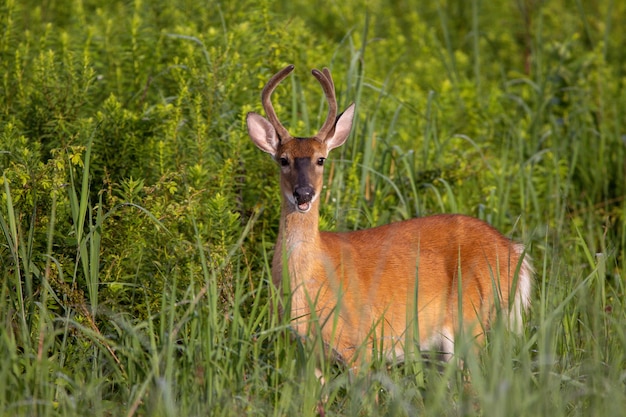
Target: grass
<point>138,220</point>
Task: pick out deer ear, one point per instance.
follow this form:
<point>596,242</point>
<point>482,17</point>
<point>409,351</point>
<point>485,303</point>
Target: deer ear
<point>262,133</point>
<point>342,129</point>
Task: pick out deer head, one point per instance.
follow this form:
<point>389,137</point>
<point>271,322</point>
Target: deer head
<point>301,158</point>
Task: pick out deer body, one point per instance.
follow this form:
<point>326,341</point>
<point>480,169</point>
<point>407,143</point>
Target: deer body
<point>435,275</point>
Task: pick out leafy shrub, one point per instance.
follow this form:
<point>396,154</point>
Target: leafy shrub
<point>138,220</point>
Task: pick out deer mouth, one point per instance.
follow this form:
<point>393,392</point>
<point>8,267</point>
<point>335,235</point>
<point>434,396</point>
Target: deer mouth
<point>303,207</point>
<point>303,196</point>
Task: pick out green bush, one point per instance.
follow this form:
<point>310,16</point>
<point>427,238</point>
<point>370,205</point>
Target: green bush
<point>138,220</point>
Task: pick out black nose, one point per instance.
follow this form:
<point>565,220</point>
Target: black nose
<point>303,194</point>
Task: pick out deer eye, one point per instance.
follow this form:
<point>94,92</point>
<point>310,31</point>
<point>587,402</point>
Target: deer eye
<point>320,161</point>
<point>284,162</point>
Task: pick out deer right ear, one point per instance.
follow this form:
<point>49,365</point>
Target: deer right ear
<point>342,129</point>
<point>262,133</point>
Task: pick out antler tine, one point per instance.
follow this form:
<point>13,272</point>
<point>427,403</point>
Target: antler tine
<point>329,77</point>
<point>267,102</point>
<point>326,80</point>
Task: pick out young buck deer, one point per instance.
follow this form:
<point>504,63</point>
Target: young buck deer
<point>424,279</point>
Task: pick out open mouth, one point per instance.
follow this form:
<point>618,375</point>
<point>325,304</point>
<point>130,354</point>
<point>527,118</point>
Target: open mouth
<point>303,207</point>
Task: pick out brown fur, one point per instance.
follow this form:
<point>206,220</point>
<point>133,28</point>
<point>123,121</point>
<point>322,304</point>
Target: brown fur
<point>436,275</point>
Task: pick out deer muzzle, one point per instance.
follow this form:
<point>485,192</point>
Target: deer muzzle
<point>303,196</point>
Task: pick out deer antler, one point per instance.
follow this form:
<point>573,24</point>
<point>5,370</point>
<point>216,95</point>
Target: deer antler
<point>267,103</point>
<point>326,80</point>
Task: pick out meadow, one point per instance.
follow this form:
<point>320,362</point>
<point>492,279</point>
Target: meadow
<point>138,219</point>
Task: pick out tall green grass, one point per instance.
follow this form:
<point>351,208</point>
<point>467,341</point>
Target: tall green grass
<point>138,220</point>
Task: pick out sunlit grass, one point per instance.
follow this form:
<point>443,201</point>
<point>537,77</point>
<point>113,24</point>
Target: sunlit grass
<point>137,219</point>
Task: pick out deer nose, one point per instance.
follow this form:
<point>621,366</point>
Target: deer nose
<point>303,194</point>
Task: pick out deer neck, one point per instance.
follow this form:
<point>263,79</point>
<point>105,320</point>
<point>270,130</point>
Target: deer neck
<point>298,230</point>
<point>299,242</point>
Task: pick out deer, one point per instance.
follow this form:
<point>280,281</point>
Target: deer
<point>423,280</point>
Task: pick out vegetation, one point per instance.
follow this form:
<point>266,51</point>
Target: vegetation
<point>138,220</point>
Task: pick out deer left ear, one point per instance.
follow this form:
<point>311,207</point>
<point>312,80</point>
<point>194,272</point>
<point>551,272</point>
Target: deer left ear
<point>342,129</point>
<point>262,133</point>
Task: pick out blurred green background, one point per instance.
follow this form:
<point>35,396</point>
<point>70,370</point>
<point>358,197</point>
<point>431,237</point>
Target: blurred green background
<point>138,219</point>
